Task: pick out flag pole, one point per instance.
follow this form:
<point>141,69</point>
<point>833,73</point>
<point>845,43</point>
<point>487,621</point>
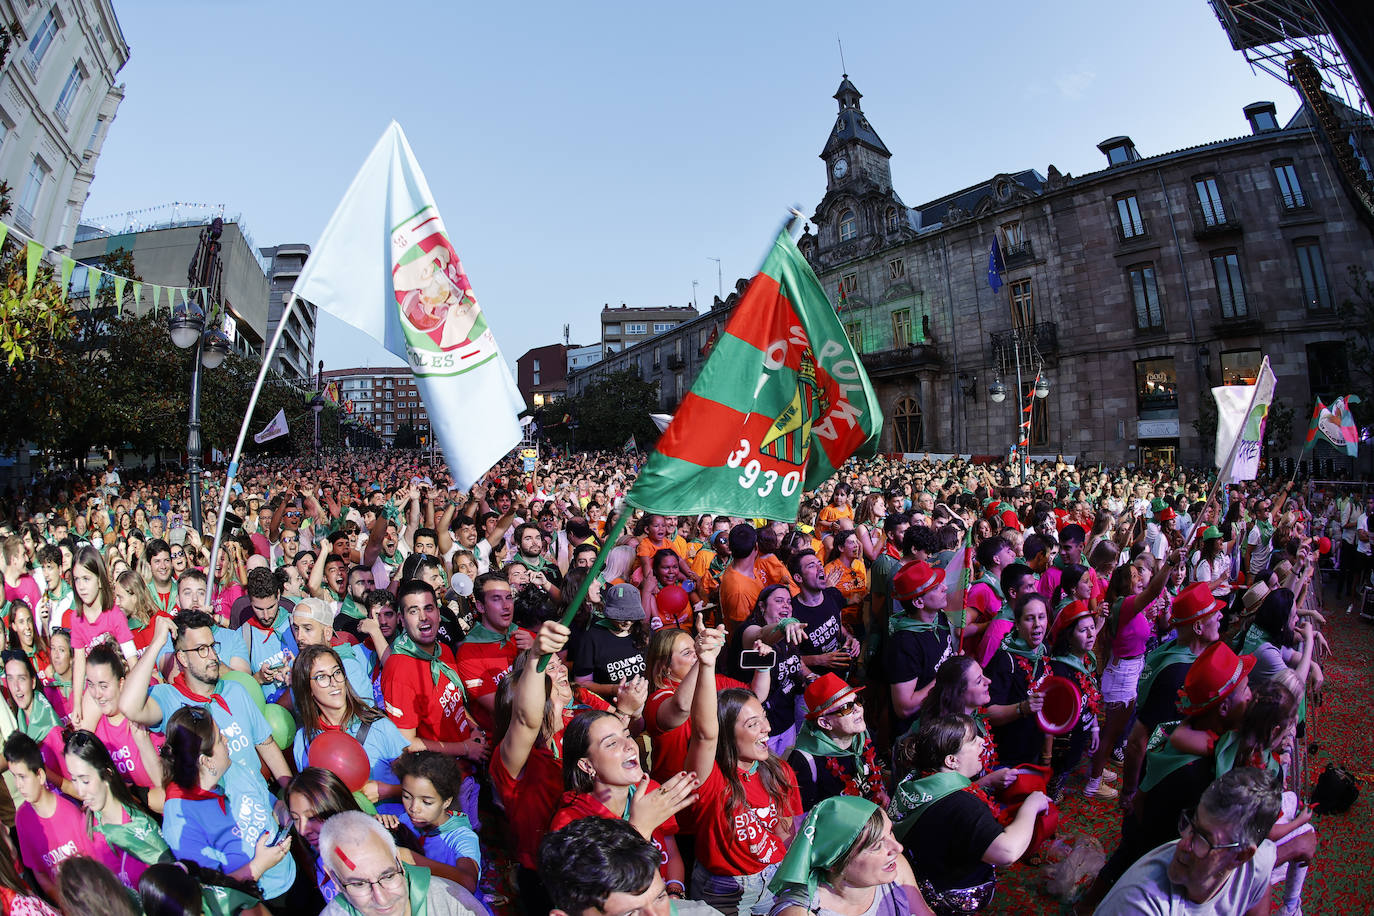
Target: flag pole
<point>597,565</point>
<point>243,434</point>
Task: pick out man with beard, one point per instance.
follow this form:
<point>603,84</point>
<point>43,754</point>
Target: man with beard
<point>530,554</point>
<point>485,657</point>
<point>351,612</point>
<point>266,631</point>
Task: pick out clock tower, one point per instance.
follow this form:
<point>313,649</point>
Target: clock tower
<point>860,212</point>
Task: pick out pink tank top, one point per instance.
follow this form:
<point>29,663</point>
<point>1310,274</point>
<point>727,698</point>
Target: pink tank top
<point>1131,639</point>
<point>119,739</point>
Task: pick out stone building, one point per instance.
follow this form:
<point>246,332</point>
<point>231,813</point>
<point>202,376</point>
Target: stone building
<point>1130,291</point>
<point>295,356</point>
<point>624,327</point>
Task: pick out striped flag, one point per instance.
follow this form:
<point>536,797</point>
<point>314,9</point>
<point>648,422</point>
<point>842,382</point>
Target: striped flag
<point>781,403</point>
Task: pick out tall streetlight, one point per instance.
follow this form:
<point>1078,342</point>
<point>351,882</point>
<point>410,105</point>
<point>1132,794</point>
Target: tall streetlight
<point>720,282</point>
<point>187,327</point>
<point>997,391</point>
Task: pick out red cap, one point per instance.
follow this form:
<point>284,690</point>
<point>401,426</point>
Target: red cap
<point>826,691</point>
<point>1068,615</point>
<point>915,580</point>
<point>1194,603</point>
<point>1010,520</point>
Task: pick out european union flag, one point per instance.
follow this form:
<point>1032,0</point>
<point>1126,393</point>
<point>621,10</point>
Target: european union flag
<point>995,265</point>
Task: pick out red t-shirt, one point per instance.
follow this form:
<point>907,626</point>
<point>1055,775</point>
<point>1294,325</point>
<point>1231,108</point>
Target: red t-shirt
<point>483,666</point>
<point>744,842</point>
<point>529,799</point>
<point>413,700</point>
<point>670,747</point>
<point>574,806</point>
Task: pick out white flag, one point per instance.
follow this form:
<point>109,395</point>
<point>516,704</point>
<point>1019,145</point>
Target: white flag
<point>1241,412</point>
<point>385,265</point>
<point>274,429</point>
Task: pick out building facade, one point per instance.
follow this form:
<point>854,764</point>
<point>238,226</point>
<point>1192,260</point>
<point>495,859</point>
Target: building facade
<point>162,254</point>
<point>541,374</point>
<point>295,357</point>
<point>386,397</point>
<point>580,357</point>
<point>58,97</point>
<point>624,327</point>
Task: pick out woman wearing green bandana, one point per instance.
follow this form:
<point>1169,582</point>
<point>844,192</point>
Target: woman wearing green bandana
<point>131,839</point>
<point>845,860</point>
<point>959,838</point>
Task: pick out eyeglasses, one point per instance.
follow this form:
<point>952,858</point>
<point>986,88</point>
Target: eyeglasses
<point>325,678</point>
<point>178,555</point>
<point>391,881</point>
<point>1188,833</point>
<point>205,651</point>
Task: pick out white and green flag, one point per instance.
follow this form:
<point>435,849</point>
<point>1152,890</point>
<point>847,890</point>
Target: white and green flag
<point>385,265</point>
<point>1241,414</point>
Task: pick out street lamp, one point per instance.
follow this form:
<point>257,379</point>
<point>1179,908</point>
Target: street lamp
<point>187,329</point>
<point>997,391</point>
<point>1042,389</point>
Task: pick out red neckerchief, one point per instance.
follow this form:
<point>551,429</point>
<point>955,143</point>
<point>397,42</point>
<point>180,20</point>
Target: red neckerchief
<point>891,550</point>
<point>183,688</point>
<point>253,621</point>
<point>197,794</point>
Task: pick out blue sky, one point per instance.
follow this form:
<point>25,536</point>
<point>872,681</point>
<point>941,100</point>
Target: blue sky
<point>602,153</point>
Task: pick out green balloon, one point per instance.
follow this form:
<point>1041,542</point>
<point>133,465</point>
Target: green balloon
<point>247,682</point>
<point>283,725</point>
<point>365,803</point>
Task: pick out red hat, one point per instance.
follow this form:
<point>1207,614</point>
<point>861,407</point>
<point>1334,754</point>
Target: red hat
<point>826,691</point>
<point>1212,678</point>
<point>1194,603</point>
<point>1165,515</point>
<point>915,580</point>
<point>1068,615</point>
<point>1009,520</point>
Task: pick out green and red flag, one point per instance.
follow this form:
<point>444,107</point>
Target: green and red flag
<point>781,403</point>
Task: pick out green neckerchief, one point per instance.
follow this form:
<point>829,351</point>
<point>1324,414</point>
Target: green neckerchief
<point>538,564</point>
<point>718,564</point>
<point>350,608</point>
<point>391,561</point>
<point>992,583</point>
<point>333,595</point>
<point>140,837</point>
<point>481,633</point>
<point>900,623</point>
<point>1013,644</point>
<point>1170,653</point>
<point>1161,762</point>
<point>61,592</point>
<point>812,740</point>
<point>157,599</point>
<point>1254,638</point>
<point>1228,745</point>
<point>915,796</point>
<point>417,881</point>
<point>1266,530</point>
<point>41,721</point>
<point>404,645</point>
<point>1083,664</point>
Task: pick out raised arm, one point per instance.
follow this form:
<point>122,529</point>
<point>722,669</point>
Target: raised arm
<point>134,700</point>
<point>701,747</point>
<point>530,692</point>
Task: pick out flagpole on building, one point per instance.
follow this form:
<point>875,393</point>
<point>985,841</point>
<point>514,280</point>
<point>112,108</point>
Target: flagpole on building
<point>243,434</point>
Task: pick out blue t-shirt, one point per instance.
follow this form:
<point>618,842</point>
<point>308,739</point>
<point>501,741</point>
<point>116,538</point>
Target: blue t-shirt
<point>201,832</point>
<point>251,805</point>
<point>244,726</point>
<point>384,744</point>
<point>358,669</point>
<point>265,647</point>
<point>453,841</point>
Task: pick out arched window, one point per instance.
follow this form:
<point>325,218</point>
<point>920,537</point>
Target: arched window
<point>849,226</point>
<point>890,219</point>
<point>908,425</point>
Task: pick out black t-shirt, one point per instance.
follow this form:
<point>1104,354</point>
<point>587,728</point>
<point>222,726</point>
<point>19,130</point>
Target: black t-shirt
<point>608,658</point>
<point>1020,740</point>
<point>1161,705</point>
<point>947,843</point>
<point>823,633</point>
<point>912,656</point>
<point>825,783</point>
<point>1158,810</point>
<point>786,680</point>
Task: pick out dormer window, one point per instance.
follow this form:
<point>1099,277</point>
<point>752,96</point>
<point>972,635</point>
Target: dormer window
<point>849,226</point>
<point>1119,151</point>
<point>1261,116</point>
<point>890,219</point>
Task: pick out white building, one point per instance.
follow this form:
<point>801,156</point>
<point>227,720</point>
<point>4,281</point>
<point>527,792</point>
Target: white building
<point>296,354</point>
<point>582,357</point>
<point>58,96</point>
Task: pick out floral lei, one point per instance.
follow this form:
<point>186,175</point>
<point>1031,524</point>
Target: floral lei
<point>1032,680</point>
<point>998,811</point>
<point>1092,696</point>
<point>980,715</point>
<point>867,784</point>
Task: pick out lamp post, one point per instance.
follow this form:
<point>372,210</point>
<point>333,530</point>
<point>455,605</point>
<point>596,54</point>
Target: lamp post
<point>187,327</point>
<point>998,391</point>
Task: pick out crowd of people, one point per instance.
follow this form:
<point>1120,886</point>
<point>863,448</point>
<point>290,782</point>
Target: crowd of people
<point>375,703</point>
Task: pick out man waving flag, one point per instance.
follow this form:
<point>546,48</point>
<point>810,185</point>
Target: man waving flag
<point>781,403</point>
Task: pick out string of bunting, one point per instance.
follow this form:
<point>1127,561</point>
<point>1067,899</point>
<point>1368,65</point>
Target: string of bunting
<point>35,252</point>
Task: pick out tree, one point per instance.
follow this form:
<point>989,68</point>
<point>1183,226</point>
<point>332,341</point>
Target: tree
<point>611,410</point>
<point>405,437</point>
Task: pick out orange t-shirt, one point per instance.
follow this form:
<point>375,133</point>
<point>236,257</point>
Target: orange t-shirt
<point>831,514</point>
<point>738,595</point>
<point>853,581</point>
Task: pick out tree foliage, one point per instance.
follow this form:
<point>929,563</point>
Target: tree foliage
<point>610,411</point>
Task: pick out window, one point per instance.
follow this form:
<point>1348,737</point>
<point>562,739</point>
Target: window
<point>1128,214</point>
<point>849,226</point>
<point>1328,373</point>
<point>1156,385</point>
<point>1040,414</point>
<point>661,326</point>
<point>1312,270</point>
<point>901,327</point>
<point>33,190</point>
<point>636,327</point>
<point>70,90</point>
<point>1022,304</point>
<point>536,365</point>
<point>1209,200</point>
<point>1290,191</point>
<point>1240,367</point>
<point>1011,234</point>
<point>896,268</point>
<point>908,426</point>
<point>854,330</point>
<point>611,328</point>
<point>1230,289</point>
<point>1145,295</point>
<point>41,41</point>
<point>890,219</point>
<point>535,380</point>
<point>851,283</point>
<point>1265,120</point>
<point>658,357</point>
<point>389,395</point>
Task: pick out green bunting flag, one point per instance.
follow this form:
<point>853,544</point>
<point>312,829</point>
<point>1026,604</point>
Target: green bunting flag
<point>68,264</point>
<point>35,253</point>
<point>781,403</point>
<point>138,295</point>
<point>119,294</point>
<point>157,291</point>
<point>4,232</point>
<point>95,274</point>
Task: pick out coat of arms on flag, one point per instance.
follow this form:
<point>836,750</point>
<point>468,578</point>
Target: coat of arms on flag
<point>443,323</point>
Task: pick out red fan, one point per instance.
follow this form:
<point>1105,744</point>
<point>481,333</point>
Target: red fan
<point>1062,707</point>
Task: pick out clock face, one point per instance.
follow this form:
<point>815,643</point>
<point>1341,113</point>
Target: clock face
<point>841,167</point>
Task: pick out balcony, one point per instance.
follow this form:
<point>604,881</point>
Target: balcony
<point>1213,220</point>
<point>901,360</point>
<point>676,362</point>
<point>1018,254</point>
<point>63,111</point>
<point>1031,344</point>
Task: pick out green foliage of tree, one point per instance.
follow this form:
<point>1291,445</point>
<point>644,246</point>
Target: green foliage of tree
<point>610,411</point>
<point>405,437</point>
<point>33,321</point>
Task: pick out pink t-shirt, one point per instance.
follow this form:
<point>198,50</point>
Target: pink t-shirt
<point>45,842</point>
<point>119,739</point>
<point>27,591</point>
<point>111,625</point>
<point>1130,639</point>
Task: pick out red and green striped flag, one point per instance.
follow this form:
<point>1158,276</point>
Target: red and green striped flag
<point>781,403</point>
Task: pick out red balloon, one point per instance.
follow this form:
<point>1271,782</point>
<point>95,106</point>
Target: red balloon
<point>1063,704</point>
<point>1324,545</point>
<point>342,755</point>
<point>672,600</point>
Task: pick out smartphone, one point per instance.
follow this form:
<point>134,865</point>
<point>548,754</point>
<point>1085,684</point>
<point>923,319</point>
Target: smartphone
<point>282,831</point>
<point>757,661</point>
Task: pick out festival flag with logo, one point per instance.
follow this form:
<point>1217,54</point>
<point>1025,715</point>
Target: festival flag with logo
<point>1336,425</point>
<point>273,430</point>
<point>385,265</point>
<point>710,341</point>
<point>1318,412</point>
<point>1241,414</point>
<point>631,445</point>
<point>844,299</point>
<point>782,402</point>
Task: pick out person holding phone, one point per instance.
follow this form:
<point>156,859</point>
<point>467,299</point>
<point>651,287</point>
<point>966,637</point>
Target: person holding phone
<point>768,642</point>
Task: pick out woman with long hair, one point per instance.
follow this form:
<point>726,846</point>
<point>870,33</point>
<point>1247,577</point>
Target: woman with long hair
<point>186,888</point>
<point>602,777</point>
<point>326,702</point>
<point>33,713</point>
<point>135,599</point>
<point>313,796</point>
<point>231,572</point>
<point>133,748</point>
<point>58,690</point>
<point>128,839</point>
<point>846,568</point>
<point>780,683</point>
<point>666,569</point>
<point>747,803</point>
<point>96,618</point>
<point>961,688</point>
<point>1281,640</point>
<point>1075,584</point>
<point>1017,670</point>
<point>1072,638</point>
<point>29,638</point>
